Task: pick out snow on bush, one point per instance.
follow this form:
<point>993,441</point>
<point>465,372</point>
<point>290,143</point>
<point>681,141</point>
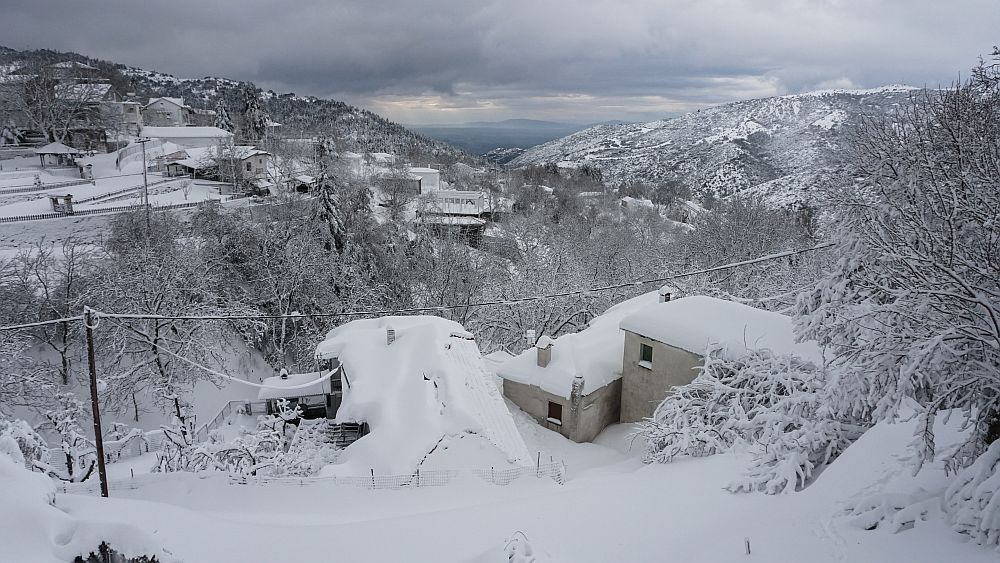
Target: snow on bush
<point>263,451</point>
<point>773,404</point>
<point>22,444</point>
<point>972,502</point>
<point>79,451</point>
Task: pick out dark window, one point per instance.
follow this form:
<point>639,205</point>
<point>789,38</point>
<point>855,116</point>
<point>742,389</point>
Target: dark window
<point>555,411</point>
<point>645,353</point>
<point>248,167</point>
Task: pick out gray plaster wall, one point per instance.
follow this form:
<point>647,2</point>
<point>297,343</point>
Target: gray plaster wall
<point>597,410</point>
<point>644,388</point>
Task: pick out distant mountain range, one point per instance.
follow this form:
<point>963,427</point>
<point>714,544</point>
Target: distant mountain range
<point>357,129</point>
<point>480,137</point>
<point>780,146</point>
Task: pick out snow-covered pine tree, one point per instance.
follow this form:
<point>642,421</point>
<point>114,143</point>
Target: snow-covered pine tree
<point>911,312</point>
<point>255,119</point>
<point>222,119</point>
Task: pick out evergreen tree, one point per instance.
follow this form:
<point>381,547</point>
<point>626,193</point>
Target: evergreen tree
<point>255,119</point>
<point>222,119</point>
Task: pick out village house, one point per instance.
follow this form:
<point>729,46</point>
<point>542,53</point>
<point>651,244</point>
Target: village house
<point>622,366</point>
<point>430,178</point>
<point>171,112</point>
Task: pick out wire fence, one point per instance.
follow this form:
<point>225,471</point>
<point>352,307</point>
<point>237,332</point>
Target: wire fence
<point>44,187</point>
<point>500,476</point>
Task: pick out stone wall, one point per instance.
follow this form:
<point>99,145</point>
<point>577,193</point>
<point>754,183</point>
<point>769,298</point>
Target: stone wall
<point>597,410</point>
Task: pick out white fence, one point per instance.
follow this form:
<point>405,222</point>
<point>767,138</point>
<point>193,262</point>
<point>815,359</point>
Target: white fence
<point>154,148</point>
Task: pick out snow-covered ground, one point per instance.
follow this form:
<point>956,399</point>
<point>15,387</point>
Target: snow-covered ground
<point>612,509</point>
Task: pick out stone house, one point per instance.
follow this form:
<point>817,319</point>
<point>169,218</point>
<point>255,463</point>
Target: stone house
<point>622,366</point>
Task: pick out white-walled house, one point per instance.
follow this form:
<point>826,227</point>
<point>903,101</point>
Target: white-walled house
<point>430,178</point>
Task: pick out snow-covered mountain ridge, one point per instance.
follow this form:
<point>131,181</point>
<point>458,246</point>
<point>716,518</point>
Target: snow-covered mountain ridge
<point>728,148</point>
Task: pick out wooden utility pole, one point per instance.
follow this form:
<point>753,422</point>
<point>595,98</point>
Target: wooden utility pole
<point>89,321</point>
<point>145,181</point>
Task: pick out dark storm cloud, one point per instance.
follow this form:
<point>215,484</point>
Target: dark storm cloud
<point>564,59</point>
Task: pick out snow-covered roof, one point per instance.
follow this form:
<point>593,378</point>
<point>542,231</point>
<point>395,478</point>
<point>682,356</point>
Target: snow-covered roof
<point>304,179</point>
<point>56,148</point>
<point>72,64</point>
<point>82,92</point>
<point>278,388</point>
<point>185,132</point>
<point>428,385</point>
<point>698,323</point>
<point>457,220</point>
<point>424,170</point>
<point>594,353</point>
<point>204,157</point>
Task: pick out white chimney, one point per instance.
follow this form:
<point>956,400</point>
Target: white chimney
<point>666,293</point>
<point>390,335</point>
<point>544,350</point>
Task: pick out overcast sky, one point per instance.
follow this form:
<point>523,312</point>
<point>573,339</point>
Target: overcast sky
<point>442,61</point>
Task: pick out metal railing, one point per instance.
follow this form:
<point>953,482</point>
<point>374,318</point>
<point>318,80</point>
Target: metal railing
<point>44,187</point>
<point>244,407</point>
<point>103,210</point>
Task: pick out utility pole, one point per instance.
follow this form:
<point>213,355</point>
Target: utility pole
<point>145,181</point>
<point>89,321</point>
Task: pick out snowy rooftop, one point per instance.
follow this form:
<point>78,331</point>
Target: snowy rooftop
<point>697,323</point>
<point>56,148</point>
<point>295,385</point>
<point>428,385</point>
<point>594,353</point>
<point>423,170</point>
<point>185,132</point>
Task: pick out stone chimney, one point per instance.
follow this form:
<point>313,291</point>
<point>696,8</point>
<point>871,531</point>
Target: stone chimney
<point>390,335</point>
<point>666,293</point>
<point>544,350</point>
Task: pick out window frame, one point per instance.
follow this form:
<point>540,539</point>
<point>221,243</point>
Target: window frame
<point>643,360</point>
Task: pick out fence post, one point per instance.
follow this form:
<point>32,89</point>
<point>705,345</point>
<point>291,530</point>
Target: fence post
<point>373,478</point>
<point>418,477</point>
<point>538,464</point>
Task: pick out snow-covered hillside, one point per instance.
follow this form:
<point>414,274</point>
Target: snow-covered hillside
<point>728,148</point>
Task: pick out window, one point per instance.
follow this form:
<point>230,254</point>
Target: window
<point>248,166</point>
<point>555,412</point>
<point>645,355</point>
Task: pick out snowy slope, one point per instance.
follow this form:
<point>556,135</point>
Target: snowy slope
<point>728,148</point>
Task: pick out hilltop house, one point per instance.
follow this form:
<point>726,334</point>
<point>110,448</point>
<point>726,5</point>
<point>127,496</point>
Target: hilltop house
<point>241,164</point>
<point>622,366</point>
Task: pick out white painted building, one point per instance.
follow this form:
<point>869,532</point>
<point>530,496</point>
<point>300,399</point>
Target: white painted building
<point>430,179</point>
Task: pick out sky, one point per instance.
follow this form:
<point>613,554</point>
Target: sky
<point>579,61</point>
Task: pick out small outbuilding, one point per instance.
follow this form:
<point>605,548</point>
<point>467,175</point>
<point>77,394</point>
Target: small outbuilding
<point>57,154</point>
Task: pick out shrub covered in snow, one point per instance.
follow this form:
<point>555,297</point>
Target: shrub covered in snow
<point>972,502</point>
<point>78,449</point>
<point>774,404</point>
<point>22,444</point>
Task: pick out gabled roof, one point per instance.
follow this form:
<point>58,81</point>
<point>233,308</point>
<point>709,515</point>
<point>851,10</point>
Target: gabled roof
<point>57,148</point>
<point>699,323</point>
<point>179,102</point>
<point>594,353</point>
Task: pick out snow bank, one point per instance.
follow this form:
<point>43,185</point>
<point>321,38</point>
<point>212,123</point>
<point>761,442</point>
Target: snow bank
<point>429,386</point>
<point>33,529</point>
<point>697,323</point>
<point>594,353</point>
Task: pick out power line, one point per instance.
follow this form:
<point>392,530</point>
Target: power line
<point>430,308</point>
<point>384,312</point>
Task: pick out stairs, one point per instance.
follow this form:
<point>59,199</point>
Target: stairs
<point>319,433</point>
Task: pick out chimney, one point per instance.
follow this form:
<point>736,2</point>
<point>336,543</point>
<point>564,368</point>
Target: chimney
<point>666,293</point>
<point>283,373</point>
<point>544,349</point>
<point>390,335</point>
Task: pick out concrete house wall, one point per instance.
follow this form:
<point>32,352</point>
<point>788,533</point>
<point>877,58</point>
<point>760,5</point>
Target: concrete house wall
<point>645,387</point>
<point>597,410</point>
<point>163,112</point>
<point>258,167</point>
